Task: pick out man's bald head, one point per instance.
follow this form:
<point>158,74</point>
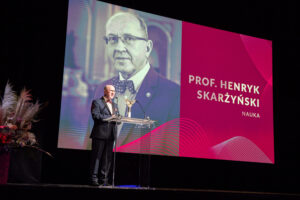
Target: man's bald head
<point>109,91</point>
<point>125,17</point>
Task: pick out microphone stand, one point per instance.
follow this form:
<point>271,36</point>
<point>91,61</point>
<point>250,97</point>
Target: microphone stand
<point>115,145</point>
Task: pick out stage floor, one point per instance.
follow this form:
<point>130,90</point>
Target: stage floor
<point>38,191</point>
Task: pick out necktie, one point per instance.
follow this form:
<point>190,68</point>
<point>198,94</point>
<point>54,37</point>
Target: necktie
<point>121,85</point>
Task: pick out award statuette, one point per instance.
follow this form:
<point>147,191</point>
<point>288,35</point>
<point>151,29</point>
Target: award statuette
<point>129,104</point>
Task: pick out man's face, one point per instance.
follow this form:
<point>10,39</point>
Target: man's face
<point>127,58</point>
<point>109,92</point>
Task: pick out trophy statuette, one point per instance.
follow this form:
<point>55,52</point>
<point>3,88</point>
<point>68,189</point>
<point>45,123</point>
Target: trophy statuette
<point>129,104</point>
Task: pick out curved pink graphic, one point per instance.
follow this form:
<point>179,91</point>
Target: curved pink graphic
<point>185,137</point>
<point>179,137</point>
<point>241,149</point>
<point>163,140</point>
<point>194,141</point>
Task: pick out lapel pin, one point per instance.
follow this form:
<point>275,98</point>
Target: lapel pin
<point>148,94</point>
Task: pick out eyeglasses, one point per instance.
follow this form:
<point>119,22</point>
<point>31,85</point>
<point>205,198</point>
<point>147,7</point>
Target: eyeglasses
<point>126,39</point>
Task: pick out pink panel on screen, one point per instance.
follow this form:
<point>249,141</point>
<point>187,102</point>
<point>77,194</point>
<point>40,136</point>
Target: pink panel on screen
<point>221,56</point>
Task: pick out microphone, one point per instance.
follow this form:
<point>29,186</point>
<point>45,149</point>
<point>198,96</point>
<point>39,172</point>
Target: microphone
<point>116,98</point>
<point>141,108</point>
<point>117,102</point>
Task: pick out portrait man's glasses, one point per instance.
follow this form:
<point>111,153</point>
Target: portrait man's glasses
<point>126,39</point>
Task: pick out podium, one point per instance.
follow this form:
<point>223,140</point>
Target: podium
<point>144,126</point>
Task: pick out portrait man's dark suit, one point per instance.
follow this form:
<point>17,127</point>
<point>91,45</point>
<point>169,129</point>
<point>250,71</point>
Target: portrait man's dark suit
<point>103,134</point>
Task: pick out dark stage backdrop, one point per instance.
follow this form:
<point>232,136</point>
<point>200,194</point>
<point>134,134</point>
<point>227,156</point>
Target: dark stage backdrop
<point>33,56</point>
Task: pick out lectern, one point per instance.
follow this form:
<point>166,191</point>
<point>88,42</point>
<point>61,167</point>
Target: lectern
<point>144,126</point>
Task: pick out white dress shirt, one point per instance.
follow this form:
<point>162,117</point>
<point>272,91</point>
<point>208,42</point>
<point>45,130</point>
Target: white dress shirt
<point>109,104</point>
<point>137,82</point>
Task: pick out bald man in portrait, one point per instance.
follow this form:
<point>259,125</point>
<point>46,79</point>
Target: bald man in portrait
<point>128,49</point>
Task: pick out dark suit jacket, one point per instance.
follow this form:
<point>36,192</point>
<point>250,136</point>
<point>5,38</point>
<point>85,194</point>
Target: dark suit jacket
<point>102,129</point>
<point>159,97</point>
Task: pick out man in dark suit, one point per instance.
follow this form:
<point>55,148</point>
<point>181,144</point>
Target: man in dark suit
<point>103,134</point>
<point>128,49</point>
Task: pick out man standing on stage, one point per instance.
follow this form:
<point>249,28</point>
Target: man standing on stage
<point>103,134</point>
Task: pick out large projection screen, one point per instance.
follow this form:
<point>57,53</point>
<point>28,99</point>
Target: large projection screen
<point>210,91</point>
